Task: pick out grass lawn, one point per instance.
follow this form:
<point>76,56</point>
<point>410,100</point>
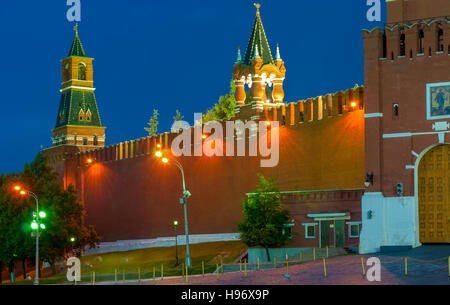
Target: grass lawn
<point>149,261</point>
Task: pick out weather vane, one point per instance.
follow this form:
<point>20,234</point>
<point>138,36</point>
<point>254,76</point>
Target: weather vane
<point>75,28</point>
<point>257,5</point>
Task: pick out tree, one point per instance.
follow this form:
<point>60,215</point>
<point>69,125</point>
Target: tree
<point>264,217</point>
<point>64,216</point>
<point>178,117</point>
<point>153,123</point>
<point>224,109</point>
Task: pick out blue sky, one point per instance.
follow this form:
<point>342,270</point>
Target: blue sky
<point>166,55</point>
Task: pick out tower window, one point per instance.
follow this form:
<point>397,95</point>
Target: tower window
<point>402,45</point>
<point>421,36</point>
<point>88,115</point>
<point>395,110</point>
<point>81,115</point>
<point>440,40</point>
<point>95,140</point>
<point>384,45</point>
<point>85,141</point>
<point>81,71</point>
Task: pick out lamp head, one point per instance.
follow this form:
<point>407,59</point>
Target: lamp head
<point>165,160</point>
<point>158,154</point>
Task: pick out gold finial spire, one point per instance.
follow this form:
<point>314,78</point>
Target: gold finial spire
<point>75,28</point>
<point>257,5</point>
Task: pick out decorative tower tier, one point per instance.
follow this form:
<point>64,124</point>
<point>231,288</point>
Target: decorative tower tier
<point>258,71</point>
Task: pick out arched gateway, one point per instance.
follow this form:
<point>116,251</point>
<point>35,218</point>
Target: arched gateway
<point>434,195</point>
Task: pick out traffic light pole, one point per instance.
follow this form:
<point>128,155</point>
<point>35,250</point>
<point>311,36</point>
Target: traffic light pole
<point>36,277</point>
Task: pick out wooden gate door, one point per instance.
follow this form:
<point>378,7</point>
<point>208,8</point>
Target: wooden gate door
<point>324,233</point>
<point>339,233</point>
<point>434,195</point>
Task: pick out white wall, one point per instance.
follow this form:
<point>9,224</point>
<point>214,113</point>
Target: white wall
<point>394,222</point>
<point>127,245</point>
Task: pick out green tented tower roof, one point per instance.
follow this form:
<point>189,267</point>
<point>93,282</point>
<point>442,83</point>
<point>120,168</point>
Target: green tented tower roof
<point>77,48</point>
<point>70,105</point>
<point>258,39</point>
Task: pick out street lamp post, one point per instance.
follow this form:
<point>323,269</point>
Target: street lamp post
<point>72,240</point>
<point>37,227</point>
<point>183,201</point>
<point>175,225</point>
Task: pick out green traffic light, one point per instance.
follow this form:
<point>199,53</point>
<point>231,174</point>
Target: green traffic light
<point>42,214</point>
<point>42,226</point>
<point>34,225</point>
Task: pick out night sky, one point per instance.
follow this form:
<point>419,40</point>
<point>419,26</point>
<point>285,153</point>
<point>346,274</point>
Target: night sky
<point>166,55</point>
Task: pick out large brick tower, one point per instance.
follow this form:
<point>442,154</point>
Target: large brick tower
<point>259,71</point>
<point>78,125</point>
<point>407,136</point>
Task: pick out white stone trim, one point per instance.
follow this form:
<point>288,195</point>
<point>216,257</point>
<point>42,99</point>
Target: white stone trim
<point>410,134</point>
<point>414,153</point>
<point>77,87</point>
<point>373,115</point>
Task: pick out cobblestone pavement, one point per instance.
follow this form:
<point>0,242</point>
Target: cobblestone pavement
<point>343,270</point>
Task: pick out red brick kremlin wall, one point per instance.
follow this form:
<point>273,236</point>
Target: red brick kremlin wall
<point>129,194</point>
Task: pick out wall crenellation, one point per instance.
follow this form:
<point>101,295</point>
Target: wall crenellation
<point>318,108</point>
<point>301,112</point>
<point>410,41</point>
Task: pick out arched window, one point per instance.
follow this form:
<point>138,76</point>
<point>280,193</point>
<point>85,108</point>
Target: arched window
<point>95,140</point>
<point>81,115</point>
<point>81,71</point>
<point>88,115</point>
<point>402,45</point>
<point>440,40</point>
<point>421,36</point>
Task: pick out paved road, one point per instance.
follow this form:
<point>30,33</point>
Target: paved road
<point>341,270</point>
<point>344,270</point>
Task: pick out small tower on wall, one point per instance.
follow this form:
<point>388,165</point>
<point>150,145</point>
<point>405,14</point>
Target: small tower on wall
<point>78,126</point>
<point>258,71</point>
